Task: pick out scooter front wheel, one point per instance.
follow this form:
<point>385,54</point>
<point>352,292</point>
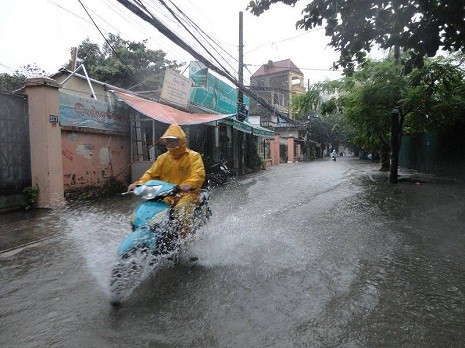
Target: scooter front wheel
<point>128,273</point>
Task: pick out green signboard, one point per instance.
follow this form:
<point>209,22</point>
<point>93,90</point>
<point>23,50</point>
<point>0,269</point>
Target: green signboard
<point>212,93</point>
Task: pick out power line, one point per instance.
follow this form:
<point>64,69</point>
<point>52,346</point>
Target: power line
<point>112,48</point>
<point>138,8</point>
<point>195,38</point>
<point>284,40</point>
<point>211,43</point>
<point>8,67</point>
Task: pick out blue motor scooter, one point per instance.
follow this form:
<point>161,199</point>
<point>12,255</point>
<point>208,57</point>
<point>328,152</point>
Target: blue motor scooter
<point>154,236</point>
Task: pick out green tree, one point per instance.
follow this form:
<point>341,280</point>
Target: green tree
<point>420,27</point>
<point>326,123</point>
<point>10,83</point>
<point>432,99</point>
<point>368,99</point>
<point>125,64</point>
<point>306,105</point>
<point>435,97</point>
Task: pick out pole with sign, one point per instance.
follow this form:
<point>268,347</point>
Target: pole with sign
<point>240,97</point>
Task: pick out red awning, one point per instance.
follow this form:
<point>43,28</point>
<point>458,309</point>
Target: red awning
<point>165,113</point>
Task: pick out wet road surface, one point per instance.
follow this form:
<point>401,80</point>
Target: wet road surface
<point>318,254</point>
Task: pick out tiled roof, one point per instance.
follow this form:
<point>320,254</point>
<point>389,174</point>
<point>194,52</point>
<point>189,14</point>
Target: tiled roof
<point>276,67</point>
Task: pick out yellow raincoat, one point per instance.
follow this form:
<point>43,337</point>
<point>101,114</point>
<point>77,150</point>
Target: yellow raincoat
<point>180,166</point>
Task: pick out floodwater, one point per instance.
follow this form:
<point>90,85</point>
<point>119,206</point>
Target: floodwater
<point>318,254</point>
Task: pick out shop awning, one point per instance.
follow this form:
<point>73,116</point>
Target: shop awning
<point>261,132</point>
<point>249,128</point>
<point>165,113</point>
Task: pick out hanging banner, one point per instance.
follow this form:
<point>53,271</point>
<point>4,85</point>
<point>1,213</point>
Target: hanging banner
<point>77,111</point>
<point>176,88</point>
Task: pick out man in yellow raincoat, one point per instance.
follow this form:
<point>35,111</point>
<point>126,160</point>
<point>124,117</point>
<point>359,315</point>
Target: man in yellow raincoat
<point>180,166</point>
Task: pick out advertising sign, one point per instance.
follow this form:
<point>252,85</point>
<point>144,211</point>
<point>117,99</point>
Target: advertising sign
<point>85,112</point>
<point>176,88</point>
<point>198,73</point>
<point>212,93</point>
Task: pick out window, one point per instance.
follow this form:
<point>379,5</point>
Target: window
<point>277,98</point>
<point>144,133</point>
<point>296,81</point>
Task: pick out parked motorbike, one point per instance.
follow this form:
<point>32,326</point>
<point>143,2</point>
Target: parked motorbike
<point>154,237</point>
<point>217,174</point>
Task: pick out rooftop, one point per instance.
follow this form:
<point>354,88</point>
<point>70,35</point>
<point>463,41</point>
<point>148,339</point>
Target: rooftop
<point>277,67</point>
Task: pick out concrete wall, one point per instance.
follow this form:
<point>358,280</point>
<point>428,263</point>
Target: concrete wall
<point>90,159</point>
<point>70,157</point>
<point>45,141</point>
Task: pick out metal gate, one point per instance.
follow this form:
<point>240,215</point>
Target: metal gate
<point>15,164</point>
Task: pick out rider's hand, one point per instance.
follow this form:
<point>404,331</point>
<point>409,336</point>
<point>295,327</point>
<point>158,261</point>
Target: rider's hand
<point>185,187</point>
<point>131,187</point>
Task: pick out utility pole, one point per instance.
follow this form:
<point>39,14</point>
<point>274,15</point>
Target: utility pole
<point>240,95</point>
<point>73,61</point>
<point>396,131</point>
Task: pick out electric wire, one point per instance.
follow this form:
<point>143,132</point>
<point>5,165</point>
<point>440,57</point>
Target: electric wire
<point>9,68</point>
<point>112,48</point>
<point>195,38</point>
<point>159,41</point>
<point>203,34</point>
<point>131,21</point>
<point>187,21</point>
<point>206,37</point>
<point>284,40</point>
<point>178,41</point>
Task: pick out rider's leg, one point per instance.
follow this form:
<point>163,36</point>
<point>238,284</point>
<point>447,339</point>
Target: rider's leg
<point>184,210</point>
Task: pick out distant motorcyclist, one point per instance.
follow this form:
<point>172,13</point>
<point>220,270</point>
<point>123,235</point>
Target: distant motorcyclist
<point>333,155</point>
<point>180,166</point>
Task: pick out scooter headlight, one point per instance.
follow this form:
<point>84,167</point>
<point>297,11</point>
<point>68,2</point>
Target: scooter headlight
<point>147,192</point>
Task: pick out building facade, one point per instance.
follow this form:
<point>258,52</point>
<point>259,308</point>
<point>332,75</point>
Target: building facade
<point>276,83</point>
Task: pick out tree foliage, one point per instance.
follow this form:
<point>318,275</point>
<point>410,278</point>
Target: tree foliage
<point>10,83</point>
<point>419,27</point>
<point>367,99</point>
<point>326,123</point>
<point>125,64</point>
<point>305,105</point>
<point>435,96</point>
<point>358,109</point>
<point>431,98</point>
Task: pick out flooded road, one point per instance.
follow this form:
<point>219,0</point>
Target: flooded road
<point>318,254</point>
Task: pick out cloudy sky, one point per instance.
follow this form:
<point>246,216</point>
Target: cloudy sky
<point>43,31</point>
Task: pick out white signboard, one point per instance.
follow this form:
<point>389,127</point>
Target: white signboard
<point>176,88</point>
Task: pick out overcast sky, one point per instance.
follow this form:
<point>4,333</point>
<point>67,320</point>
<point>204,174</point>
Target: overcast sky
<point>42,32</point>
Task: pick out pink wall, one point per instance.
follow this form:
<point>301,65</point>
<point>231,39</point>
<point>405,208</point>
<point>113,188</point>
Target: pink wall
<point>274,150</point>
<point>298,152</point>
<point>91,158</point>
<point>290,149</point>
